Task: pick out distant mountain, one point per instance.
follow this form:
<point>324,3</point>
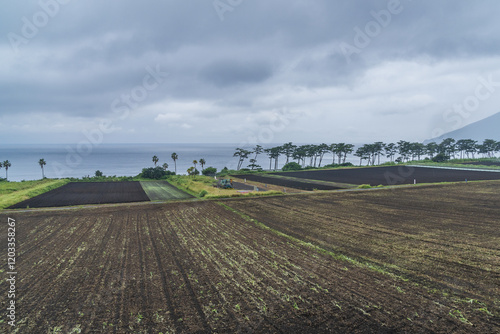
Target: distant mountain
<point>488,128</point>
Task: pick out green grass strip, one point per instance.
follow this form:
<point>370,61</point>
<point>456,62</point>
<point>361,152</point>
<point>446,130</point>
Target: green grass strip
<point>15,192</point>
<point>162,191</point>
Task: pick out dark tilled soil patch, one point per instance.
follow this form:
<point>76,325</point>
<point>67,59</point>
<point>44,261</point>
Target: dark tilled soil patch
<point>445,237</point>
<point>82,193</point>
<point>242,186</point>
<point>287,183</point>
<point>393,175</point>
<point>198,267</point>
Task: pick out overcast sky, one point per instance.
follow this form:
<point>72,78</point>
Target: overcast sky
<point>245,70</point>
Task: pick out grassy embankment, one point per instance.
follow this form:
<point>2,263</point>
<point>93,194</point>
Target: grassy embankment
<point>15,192</point>
<point>196,185</point>
<point>459,163</point>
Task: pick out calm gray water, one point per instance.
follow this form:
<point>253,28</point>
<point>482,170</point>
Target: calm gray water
<point>116,159</point>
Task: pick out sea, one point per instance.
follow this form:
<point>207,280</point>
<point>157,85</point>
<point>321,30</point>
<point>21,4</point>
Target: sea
<point>66,160</point>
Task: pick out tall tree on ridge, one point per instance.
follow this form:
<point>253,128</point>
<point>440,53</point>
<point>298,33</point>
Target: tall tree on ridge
<point>257,150</point>
<point>431,149</point>
<point>270,154</point>
<point>174,157</point>
<point>322,150</point>
<point>287,149</point>
<point>347,149</point>
<point>155,159</point>
<point>6,165</point>
<point>276,152</point>
<point>390,150</point>
<point>378,149</point>
<point>42,163</point>
<point>242,154</point>
<point>362,153</point>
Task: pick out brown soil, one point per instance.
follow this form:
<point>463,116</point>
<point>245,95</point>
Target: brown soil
<point>287,183</point>
<point>392,175</point>
<point>82,193</point>
<point>198,267</point>
<point>266,186</point>
<point>445,238</point>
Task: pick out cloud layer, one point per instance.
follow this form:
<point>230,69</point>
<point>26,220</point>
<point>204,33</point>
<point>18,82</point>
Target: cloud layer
<point>239,71</point>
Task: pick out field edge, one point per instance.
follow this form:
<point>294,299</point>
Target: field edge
<point>19,196</point>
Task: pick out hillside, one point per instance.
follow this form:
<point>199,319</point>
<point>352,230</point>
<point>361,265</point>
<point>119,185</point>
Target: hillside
<point>487,128</point>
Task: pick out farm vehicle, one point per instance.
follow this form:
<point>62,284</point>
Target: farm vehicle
<point>225,184</point>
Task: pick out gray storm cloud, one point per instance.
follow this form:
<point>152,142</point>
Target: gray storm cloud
<point>355,71</point>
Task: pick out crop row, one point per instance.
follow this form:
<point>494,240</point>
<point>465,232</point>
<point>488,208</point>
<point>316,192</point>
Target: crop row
<point>443,237</point>
<point>187,267</point>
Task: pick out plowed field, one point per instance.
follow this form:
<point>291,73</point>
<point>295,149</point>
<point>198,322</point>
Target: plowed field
<point>446,238</point>
<point>82,193</point>
<point>392,175</point>
<point>200,267</point>
<point>296,184</point>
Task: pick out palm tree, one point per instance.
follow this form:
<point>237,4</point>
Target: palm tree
<point>155,159</point>
<point>6,164</point>
<point>202,163</point>
<point>165,166</point>
<point>42,163</point>
<point>195,163</point>
<point>175,157</point>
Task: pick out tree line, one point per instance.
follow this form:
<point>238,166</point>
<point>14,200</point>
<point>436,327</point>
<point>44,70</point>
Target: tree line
<point>313,155</point>
<point>210,171</point>
<point>304,154</point>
